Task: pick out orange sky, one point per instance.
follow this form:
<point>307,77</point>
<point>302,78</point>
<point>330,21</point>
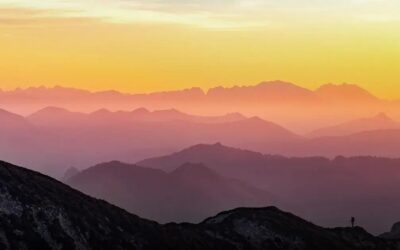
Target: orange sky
<point>143,46</point>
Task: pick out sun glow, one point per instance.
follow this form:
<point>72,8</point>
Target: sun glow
<point>142,46</point>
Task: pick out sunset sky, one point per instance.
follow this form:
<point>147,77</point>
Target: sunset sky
<point>153,45</point>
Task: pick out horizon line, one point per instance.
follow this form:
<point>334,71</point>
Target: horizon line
<point>204,90</point>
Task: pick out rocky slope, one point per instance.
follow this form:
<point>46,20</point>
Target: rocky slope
<point>37,212</point>
<point>394,232</point>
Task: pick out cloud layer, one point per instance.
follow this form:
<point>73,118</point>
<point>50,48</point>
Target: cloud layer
<point>218,13</point>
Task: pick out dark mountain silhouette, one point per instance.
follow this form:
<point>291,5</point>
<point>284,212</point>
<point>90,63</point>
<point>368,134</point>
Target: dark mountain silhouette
<point>320,189</point>
<point>189,193</point>
<point>394,232</point>
<point>37,212</point>
<point>378,122</point>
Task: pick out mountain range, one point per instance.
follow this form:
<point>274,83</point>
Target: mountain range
<point>190,193</point>
<point>325,191</point>
<point>37,212</point>
<point>59,117</point>
<point>378,122</point>
<point>55,139</point>
<point>71,139</point>
<point>299,109</point>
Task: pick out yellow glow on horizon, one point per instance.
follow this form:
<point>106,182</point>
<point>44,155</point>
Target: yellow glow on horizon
<point>159,48</point>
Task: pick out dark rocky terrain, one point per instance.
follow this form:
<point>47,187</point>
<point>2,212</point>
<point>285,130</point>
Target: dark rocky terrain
<point>394,232</point>
<point>38,212</point>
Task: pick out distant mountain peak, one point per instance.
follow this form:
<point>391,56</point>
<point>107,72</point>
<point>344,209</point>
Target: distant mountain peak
<point>278,84</point>
<point>236,115</point>
<point>214,146</point>
<point>169,111</point>
<point>140,111</point>
<point>256,119</point>
<point>351,92</point>
<point>53,110</point>
<point>101,111</point>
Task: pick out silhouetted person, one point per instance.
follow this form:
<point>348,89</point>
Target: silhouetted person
<point>353,220</point>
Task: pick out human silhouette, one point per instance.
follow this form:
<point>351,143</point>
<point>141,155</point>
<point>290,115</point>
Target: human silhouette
<point>353,220</point>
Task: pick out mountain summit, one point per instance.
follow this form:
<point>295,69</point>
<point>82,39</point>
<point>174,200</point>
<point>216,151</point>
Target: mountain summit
<point>345,92</point>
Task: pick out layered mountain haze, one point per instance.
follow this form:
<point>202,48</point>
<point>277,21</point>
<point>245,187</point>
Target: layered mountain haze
<point>278,167</point>
<point>300,109</point>
<point>54,139</point>
<point>158,125</point>
<point>11,121</point>
<point>325,191</point>
<point>37,212</point>
<point>17,136</point>
<point>84,139</point>
<point>378,122</point>
<point>54,116</point>
<point>381,142</point>
<point>188,194</point>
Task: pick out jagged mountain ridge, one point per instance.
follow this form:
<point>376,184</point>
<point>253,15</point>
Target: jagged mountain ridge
<point>300,109</point>
<point>37,212</point>
<point>273,89</point>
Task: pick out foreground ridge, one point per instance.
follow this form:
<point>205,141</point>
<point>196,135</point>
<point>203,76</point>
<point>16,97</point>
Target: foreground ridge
<point>38,212</point>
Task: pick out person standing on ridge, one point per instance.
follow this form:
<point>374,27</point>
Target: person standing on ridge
<point>353,220</point>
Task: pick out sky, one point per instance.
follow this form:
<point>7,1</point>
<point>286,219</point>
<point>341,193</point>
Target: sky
<point>153,45</point>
